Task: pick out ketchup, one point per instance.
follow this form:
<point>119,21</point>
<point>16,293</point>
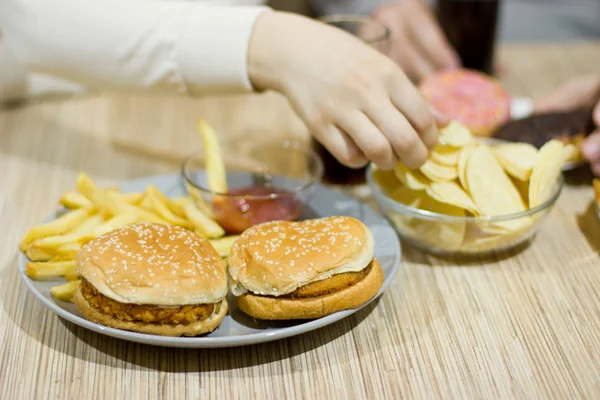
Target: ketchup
<point>236,214</point>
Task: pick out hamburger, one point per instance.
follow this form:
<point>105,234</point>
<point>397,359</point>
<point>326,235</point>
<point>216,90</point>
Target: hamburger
<point>304,270</point>
<point>154,279</point>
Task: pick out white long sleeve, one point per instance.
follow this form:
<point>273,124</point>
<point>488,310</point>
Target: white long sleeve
<point>175,46</point>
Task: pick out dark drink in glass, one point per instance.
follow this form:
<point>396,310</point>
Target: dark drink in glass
<point>470,26</point>
<point>378,37</point>
<point>336,173</point>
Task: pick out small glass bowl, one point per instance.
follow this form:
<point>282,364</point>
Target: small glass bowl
<point>283,177</point>
<point>447,235</point>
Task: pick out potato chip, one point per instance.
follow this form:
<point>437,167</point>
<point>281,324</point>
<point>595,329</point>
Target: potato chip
<point>438,234</point>
<point>451,193</point>
<point>516,158</point>
<point>463,158</point>
<point>523,188</point>
<point>455,134</point>
<point>446,234</point>
<point>437,172</point>
<point>445,155</point>
<point>596,183</point>
<point>572,152</point>
<point>413,179</point>
<point>387,180</point>
<point>477,238</point>
<point>485,237</point>
<point>408,197</point>
<point>489,243</point>
<point>546,171</point>
<point>491,189</point>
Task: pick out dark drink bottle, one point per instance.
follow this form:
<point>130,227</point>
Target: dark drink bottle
<point>470,26</point>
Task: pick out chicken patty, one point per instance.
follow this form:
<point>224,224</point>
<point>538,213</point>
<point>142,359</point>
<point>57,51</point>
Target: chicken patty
<point>330,285</point>
<point>146,312</point>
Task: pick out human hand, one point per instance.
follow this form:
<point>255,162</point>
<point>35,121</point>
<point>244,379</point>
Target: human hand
<point>581,92</point>
<point>355,101</point>
<point>418,44</point>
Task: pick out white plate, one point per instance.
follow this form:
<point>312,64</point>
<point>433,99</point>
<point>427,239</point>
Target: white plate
<point>237,329</point>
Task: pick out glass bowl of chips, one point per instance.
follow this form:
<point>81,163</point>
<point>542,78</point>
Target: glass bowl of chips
<point>472,197</point>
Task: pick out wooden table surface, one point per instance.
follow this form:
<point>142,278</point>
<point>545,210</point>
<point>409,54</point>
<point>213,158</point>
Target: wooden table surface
<point>520,326</point>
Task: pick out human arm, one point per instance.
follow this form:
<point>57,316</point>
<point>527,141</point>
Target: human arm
<point>354,100</point>
<point>18,84</point>
<point>180,47</point>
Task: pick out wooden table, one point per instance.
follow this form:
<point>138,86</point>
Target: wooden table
<point>525,326</point>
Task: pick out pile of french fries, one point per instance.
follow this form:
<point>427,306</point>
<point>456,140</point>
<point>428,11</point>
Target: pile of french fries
<point>92,212</point>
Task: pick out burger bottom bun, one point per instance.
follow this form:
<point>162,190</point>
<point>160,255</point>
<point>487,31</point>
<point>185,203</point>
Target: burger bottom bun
<point>273,308</point>
<point>192,329</point>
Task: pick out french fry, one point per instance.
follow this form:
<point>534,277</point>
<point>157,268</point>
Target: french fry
<point>115,223</point>
<point>47,270</point>
<point>146,204</point>
<point>132,198</point>
<point>72,276</point>
<point>78,200</point>
<point>99,197</point>
<point>88,225</point>
<point>160,206</point>
<point>67,252</point>
<point>111,203</point>
<point>176,205</point>
<point>141,214</point>
<point>65,291</point>
<point>223,245</point>
<point>215,167</point>
<point>54,242</point>
<point>81,234</point>
<point>59,226</point>
<point>144,216</point>
<point>204,226</point>
<point>74,200</point>
<point>36,254</point>
<point>197,198</point>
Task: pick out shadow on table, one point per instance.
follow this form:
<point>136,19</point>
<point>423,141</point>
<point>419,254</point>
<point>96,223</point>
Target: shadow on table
<point>416,256</point>
<point>589,226</point>
<point>32,123</point>
<point>46,328</point>
<point>199,360</point>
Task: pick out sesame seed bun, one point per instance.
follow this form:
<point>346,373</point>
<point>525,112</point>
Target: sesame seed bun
<point>191,329</point>
<point>154,264</point>
<point>277,308</point>
<point>276,258</point>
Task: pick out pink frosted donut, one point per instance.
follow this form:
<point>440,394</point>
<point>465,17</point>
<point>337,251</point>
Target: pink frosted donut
<point>470,97</point>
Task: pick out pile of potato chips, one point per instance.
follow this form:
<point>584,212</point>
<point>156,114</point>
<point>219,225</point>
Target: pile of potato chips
<point>468,178</point>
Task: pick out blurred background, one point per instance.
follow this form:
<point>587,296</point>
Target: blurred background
<point>520,20</point>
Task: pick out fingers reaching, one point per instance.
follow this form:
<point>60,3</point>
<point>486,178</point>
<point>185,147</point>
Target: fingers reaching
<point>577,93</point>
<point>373,144</point>
<point>430,40</point>
<point>418,43</point>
